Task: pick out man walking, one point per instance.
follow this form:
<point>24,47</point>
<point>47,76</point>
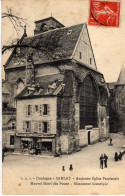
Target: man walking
<point>105,160</point>
<point>120,156</point>
<point>101,161</point>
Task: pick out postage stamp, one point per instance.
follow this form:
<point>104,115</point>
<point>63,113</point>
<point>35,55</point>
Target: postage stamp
<point>105,13</point>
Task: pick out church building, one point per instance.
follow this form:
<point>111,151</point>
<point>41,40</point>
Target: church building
<point>61,98</point>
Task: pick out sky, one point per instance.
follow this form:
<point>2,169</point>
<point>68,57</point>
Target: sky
<point>108,43</point>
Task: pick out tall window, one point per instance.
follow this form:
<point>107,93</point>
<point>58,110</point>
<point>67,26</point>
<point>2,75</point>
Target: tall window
<point>36,108</point>
<point>29,110</point>
<point>26,126</point>
<point>45,127</point>
<point>88,103</point>
<point>45,109</point>
<point>11,139</point>
<point>80,55</point>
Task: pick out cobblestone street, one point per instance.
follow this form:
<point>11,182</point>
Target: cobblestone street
<point>22,170</point>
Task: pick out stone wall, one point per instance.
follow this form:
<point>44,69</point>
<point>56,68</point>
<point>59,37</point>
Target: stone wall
<point>83,136</point>
<point>6,139</point>
<point>14,74</point>
<point>117,108</point>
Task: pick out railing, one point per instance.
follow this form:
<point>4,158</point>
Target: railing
<point>9,128</point>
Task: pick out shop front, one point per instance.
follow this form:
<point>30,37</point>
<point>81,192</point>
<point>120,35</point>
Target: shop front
<point>34,144</point>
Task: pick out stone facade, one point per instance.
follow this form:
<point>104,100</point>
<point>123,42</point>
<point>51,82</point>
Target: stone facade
<point>71,76</point>
<point>117,103</point>
<point>8,120</point>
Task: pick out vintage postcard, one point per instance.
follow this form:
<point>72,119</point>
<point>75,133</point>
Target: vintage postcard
<point>63,97</point>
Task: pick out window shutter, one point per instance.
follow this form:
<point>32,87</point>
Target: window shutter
<point>40,110</point>
<point>30,125</point>
<point>48,109</point>
<point>48,126</point>
<point>26,110</point>
<point>40,126</point>
<point>36,127</point>
<point>31,110</point>
<point>24,126</point>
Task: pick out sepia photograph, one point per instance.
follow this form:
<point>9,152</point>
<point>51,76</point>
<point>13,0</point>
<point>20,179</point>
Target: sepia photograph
<point>63,97</point>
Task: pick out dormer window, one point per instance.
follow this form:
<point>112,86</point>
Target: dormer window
<point>80,55</point>
<point>69,32</point>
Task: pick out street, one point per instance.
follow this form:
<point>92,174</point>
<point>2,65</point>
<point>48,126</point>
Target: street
<point>19,172</point>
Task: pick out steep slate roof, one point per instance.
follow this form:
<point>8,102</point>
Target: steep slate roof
<point>46,80</point>
<point>14,50</point>
<point>121,78</point>
<point>58,44</point>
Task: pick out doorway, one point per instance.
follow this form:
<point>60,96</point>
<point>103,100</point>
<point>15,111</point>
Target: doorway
<point>89,140</point>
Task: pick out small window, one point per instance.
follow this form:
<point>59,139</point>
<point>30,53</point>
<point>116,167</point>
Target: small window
<point>13,126</point>
<point>90,61</point>
<point>69,32</point>
<point>45,127</point>
<point>27,126</point>
<point>45,109</point>
<point>80,55</point>
<point>36,108</point>
<point>11,139</point>
<point>29,110</point>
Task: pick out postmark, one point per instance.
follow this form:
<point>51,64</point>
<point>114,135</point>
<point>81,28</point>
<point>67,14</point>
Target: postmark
<point>104,13</point>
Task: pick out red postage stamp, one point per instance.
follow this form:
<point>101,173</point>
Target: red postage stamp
<point>105,13</point>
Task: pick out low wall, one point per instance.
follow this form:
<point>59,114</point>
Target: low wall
<point>83,136</point>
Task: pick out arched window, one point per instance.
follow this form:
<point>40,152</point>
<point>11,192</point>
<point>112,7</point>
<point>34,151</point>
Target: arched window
<point>43,27</point>
<point>88,103</point>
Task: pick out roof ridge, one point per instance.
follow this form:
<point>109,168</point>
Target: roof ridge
<point>57,29</point>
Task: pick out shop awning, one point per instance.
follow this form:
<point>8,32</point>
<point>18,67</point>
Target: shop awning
<point>44,140</point>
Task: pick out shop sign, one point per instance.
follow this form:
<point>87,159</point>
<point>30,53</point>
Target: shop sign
<point>27,139</point>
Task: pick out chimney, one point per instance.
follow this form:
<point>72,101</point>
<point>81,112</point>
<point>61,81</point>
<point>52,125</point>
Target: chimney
<point>30,72</point>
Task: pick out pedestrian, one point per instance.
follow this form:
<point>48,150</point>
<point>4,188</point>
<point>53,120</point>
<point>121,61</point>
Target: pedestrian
<point>101,161</point>
<point>70,168</point>
<point>116,156</point>
<point>105,160</point>
<point>63,168</point>
<point>120,156</point>
<point>110,139</point>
